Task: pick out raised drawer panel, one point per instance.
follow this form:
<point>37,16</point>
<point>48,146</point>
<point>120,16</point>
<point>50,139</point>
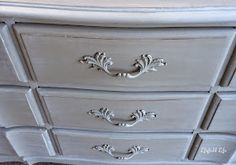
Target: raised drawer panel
<point>224,118</point>
<point>193,56</point>
<point>15,108</point>
<point>87,110</point>
<point>28,141</point>
<point>162,147</point>
<point>216,148</point>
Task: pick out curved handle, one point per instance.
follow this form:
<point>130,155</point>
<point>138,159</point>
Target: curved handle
<point>109,116</point>
<point>145,64</point>
<point>135,150</point>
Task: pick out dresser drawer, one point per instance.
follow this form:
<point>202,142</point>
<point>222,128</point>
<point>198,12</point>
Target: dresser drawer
<point>224,112</point>
<point>216,148</point>
<point>30,141</point>
<point>7,72</point>
<point>146,147</point>
<point>193,56</point>
<point>17,108</point>
<point>122,111</point>
<point>7,153</point>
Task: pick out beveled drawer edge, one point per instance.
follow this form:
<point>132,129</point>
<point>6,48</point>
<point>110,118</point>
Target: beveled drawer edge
<point>66,160</point>
<point>116,135</point>
<point>212,108</point>
<point>13,53</point>
<point>212,136</point>
<point>71,31</point>
<point>80,93</point>
<point>45,135</point>
<point>230,70</point>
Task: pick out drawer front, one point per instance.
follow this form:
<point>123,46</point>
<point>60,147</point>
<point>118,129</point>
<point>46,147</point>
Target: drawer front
<point>16,109</point>
<point>216,148</point>
<point>7,72</point>
<point>117,111</point>
<point>29,141</point>
<point>93,146</point>
<point>224,118</point>
<point>5,147</point>
<point>193,57</point>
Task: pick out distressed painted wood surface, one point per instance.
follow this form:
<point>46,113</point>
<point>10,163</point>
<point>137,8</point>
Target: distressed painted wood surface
<point>193,56</point>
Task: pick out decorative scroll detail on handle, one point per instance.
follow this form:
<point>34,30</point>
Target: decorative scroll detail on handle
<point>109,116</point>
<point>145,64</point>
<point>135,150</point>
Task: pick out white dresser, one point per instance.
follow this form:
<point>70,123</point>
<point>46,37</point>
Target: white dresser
<point>128,82</point>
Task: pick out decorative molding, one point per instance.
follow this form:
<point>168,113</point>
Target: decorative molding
<point>136,117</point>
<point>144,64</point>
<point>110,150</point>
<point>151,16</point>
<point>13,53</point>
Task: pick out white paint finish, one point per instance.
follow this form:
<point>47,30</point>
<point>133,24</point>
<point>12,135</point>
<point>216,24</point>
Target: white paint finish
<point>14,107</point>
<point>168,147</point>
<point>212,146</point>
<point>124,14</point>
<point>175,112</point>
<point>184,50</point>
<point>27,141</point>
<point>225,115</point>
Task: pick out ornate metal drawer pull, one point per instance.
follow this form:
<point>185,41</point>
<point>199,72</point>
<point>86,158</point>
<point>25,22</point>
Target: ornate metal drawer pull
<point>135,150</point>
<point>145,64</point>
<point>109,116</point>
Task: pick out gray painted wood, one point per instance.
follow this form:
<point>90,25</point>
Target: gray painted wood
<point>163,147</point>
<point>175,112</point>
<point>67,160</point>
<point>130,4</point>
<point>216,148</point>
<point>150,13</point>
<point>7,153</point>
<point>233,158</point>
<point>14,107</point>
<point>229,77</point>
<point>7,73</point>
<point>28,141</point>
<point>233,81</point>
<point>54,53</point>
<point>224,118</point>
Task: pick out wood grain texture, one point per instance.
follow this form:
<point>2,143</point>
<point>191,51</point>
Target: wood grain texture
<point>150,13</point>
<point>67,160</point>
<point>133,4</point>
<point>28,141</point>
<point>224,118</point>
<point>216,148</point>
<point>184,50</point>
<point>7,73</point>
<point>7,153</point>
<point>70,110</point>
<point>157,143</point>
<point>14,108</point>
